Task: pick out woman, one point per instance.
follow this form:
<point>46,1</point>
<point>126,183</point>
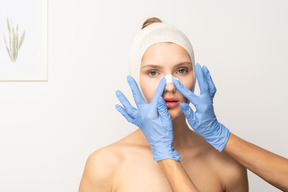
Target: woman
<point>131,163</point>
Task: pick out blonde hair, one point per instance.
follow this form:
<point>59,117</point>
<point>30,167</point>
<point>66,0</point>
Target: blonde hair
<point>150,21</point>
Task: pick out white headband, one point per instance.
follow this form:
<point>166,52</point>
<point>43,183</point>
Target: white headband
<point>155,33</point>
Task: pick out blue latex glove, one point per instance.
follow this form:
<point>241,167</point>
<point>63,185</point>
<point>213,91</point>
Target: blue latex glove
<point>204,121</point>
<point>158,130</point>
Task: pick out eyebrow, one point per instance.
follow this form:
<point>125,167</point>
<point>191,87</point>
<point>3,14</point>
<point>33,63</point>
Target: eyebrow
<point>158,66</point>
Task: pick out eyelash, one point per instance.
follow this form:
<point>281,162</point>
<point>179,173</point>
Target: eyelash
<point>157,72</point>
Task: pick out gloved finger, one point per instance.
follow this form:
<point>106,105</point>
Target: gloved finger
<point>163,111</point>
<point>124,113</point>
<point>138,97</point>
<point>186,92</point>
<point>201,79</point>
<point>126,104</point>
<point>189,113</point>
<point>159,91</point>
<point>211,85</point>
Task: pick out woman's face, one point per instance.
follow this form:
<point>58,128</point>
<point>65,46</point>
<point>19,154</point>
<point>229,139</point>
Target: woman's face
<point>159,60</point>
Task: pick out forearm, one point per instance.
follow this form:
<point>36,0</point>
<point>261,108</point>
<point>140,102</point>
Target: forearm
<point>177,176</point>
<point>267,165</point>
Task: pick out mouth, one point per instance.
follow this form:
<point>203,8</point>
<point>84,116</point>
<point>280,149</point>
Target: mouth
<point>172,102</point>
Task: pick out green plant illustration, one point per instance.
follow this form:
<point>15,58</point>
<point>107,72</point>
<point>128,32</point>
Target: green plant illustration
<point>14,42</point>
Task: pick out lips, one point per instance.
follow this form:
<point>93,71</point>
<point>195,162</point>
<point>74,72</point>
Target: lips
<point>172,102</point>
<point>171,99</point>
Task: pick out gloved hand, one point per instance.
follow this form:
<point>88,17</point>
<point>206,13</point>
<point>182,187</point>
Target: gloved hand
<point>158,130</point>
<point>203,121</point>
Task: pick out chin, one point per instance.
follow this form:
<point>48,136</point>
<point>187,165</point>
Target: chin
<point>175,112</point>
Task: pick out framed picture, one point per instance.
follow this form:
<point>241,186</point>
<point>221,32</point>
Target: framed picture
<point>24,40</point>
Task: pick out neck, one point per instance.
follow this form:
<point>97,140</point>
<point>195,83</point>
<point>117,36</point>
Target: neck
<point>181,131</point>
<point>183,136</point>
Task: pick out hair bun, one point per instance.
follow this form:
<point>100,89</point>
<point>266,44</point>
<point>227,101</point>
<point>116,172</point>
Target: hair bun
<point>150,21</point>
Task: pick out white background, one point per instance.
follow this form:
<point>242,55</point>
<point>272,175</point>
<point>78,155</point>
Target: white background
<point>48,129</point>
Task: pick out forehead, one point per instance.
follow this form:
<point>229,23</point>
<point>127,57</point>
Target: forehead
<point>164,53</point>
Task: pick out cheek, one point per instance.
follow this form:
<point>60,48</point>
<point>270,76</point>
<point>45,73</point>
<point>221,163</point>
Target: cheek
<point>189,85</point>
<point>187,81</point>
<point>148,87</point>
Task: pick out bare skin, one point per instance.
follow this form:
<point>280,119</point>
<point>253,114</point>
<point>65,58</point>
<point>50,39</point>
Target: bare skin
<point>267,165</point>
<point>128,164</point>
<point>175,173</point>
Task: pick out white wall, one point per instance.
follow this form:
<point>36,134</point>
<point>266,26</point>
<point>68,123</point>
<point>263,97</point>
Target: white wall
<point>48,129</point>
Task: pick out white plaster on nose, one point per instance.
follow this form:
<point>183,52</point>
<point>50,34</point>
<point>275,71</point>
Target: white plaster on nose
<point>169,78</point>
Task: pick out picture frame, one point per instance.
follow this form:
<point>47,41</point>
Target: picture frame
<point>24,40</point>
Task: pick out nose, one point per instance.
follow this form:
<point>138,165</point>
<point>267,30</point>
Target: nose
<point>170,87</point>
<point>169,84</point>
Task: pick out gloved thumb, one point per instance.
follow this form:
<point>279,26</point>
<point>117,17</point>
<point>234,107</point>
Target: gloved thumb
<point>162,109</point>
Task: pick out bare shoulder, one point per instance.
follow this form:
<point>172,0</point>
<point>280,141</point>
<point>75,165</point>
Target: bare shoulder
<point>99,169</point>
<point>232,174</point>
<point>103,164</point>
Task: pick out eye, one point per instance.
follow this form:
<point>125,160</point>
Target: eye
<point>152,73</point>
<point>182,71</point>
